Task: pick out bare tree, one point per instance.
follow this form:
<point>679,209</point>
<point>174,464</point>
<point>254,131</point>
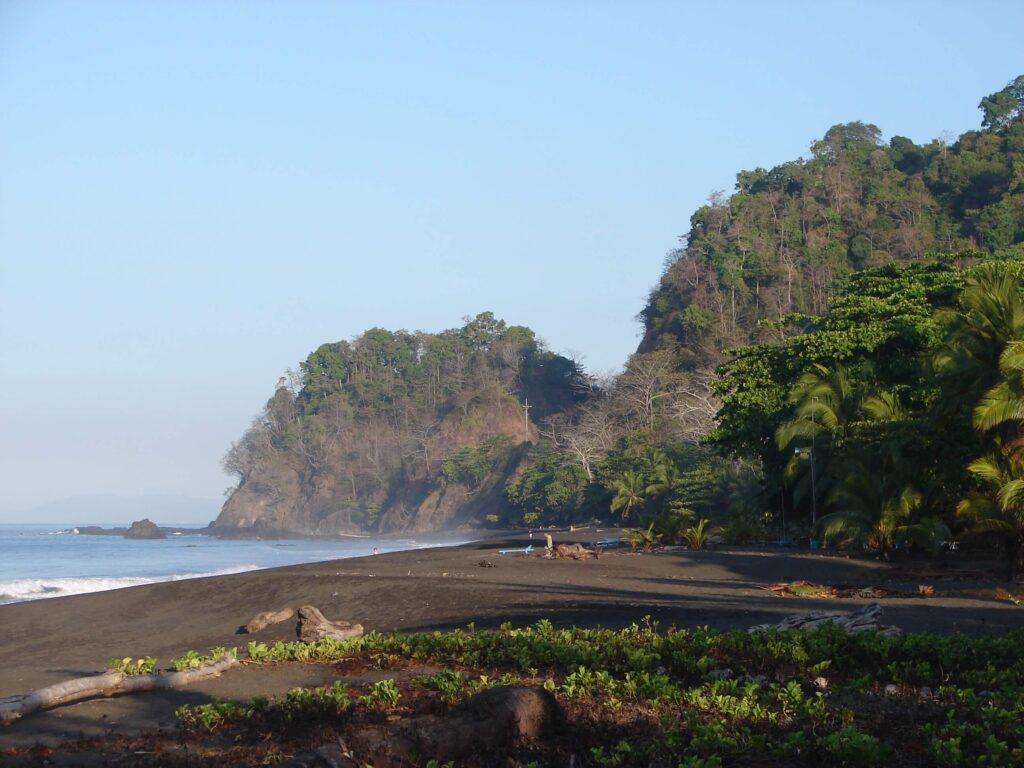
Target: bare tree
<point>246,456</point>
<point>695,405</point>
<point>649,379</point>
<point>589,437</point>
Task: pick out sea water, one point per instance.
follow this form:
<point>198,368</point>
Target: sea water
<point>39,561</point>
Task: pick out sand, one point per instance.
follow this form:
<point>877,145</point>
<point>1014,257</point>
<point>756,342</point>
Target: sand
<point>46,641</point>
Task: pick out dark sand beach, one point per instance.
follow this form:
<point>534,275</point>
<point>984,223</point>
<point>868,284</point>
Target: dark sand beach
<point>48,641</point>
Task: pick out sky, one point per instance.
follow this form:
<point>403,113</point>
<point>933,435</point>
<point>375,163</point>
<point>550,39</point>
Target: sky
<point>194,196</point>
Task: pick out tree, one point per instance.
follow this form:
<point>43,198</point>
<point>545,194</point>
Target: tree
<point>1000,508</point>
<point>649,379</point>
<point>629,488</point>
<point>587,437</point>
<point>876,505</point>
<point>827,402</point>
<point>1003,404</point>
<point>1004,107</point>
<point>990,315</point>
<point>695,406</point>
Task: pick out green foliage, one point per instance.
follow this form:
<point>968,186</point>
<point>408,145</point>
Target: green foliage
<point>209,717</point>
<point>129,665</point>
<point>550,490</point>
<point>641,539</point>
<point>383,692</point>
<point>298,705</point>
<point>766,710</point>
<point>876,415</point>
<point>848,746</point>
<point>471,465</point>
<point>629,489</point>
<point>788,236</point>
<point>367,422</point>
<point>192,660</point>
<point>697,536</point>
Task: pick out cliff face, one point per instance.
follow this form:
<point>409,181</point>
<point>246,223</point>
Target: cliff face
<point>279,499</point>
<point>396,432</point>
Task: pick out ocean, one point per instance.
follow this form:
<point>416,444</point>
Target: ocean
<point>40,561</point>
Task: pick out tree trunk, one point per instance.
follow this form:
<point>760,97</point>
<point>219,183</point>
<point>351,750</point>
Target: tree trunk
<point>314,626</point>
<point>1013,550</point>
<point>16,707</point>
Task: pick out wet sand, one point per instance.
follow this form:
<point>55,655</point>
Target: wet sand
<point>47,641</point>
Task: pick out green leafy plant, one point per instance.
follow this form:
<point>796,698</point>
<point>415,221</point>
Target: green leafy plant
<point>130,665</point>
<point>192,660</point>
<point>383,692</point>
<point>697,536</point>
<point>643,539</point>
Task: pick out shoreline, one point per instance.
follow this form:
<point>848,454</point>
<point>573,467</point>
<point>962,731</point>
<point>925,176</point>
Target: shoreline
<point>58,563</point>
<point>48,641</point>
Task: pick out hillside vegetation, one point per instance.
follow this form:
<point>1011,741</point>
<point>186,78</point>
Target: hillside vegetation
<point>397,431</point>
<point>787,236</point>
<point>839,318</point>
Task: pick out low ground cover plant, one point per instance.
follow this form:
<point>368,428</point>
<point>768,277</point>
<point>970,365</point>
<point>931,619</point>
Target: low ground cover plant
<point>641,696</point>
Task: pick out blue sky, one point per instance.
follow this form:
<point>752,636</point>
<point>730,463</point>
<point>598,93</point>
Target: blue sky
<point>193,196</point>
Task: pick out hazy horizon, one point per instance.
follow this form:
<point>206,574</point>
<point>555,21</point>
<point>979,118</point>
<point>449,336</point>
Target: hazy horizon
<point>121,509</point>
<point>194,196</point>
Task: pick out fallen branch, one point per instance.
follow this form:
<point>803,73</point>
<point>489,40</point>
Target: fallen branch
<point>16,707</point>
<point>313,626</point>
<point>865,619</point>
<point>264,619</point>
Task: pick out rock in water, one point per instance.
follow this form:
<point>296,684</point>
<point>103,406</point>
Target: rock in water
<point>144,529</point>
<point>313,626</point>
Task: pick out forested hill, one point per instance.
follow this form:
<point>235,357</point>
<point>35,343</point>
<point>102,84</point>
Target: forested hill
<point>397,431</point>
<point>418,431</point>
<point>788,236</point>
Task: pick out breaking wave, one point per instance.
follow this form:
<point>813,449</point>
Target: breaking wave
<point>20,590</point>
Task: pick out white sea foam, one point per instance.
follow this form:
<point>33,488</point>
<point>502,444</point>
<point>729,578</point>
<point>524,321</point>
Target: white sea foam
<point>21,590</point>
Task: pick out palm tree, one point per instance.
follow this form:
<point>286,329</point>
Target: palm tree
<point>828,401</point>
<point>1001,510</point>
<point>990,317</point>
<point>1003,404</point>
<point>667,477</point>
<point>875,507</point>
<point>629,493</point>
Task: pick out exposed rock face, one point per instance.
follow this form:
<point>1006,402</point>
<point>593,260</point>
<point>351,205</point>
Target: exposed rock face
<point>144,529</point>
<point>398,432</point>
<point>282,500</point>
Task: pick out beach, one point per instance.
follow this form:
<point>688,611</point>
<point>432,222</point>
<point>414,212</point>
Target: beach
<point>47,641</point>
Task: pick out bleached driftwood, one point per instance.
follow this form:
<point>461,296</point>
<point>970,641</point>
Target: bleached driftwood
<point>867,618</point>
<point>16,707</point>
<point>264,619</point>
<point>314,626</point>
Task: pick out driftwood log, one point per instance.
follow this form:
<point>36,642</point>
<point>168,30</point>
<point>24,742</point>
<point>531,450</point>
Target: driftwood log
<point>16,707</point>
<point>264,619</point>
<point>866,619</point>
<point>314,626</point>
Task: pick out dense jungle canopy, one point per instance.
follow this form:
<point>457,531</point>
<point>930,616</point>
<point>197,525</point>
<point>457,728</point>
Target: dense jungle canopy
<point>832,352</point>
